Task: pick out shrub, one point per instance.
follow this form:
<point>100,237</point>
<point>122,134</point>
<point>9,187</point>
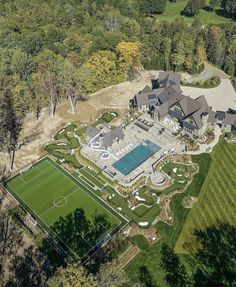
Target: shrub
<point>74,143</point>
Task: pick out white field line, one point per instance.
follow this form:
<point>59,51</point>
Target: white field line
<point>54,165</point>
<point>97,179</point>
<point>46,225</point>
<point>93,199</point>
<point>34,178</point>
<point>53,206</point>
<point>81,177</point>
<point>94,195</point>
<point>93,229</point>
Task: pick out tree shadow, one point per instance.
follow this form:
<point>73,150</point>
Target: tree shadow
<point>216,257</point>
<point>146,278</point>
<point>30,269</point>
<point>74,236</point>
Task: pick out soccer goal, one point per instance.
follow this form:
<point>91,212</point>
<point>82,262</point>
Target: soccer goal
<point>25,169</point>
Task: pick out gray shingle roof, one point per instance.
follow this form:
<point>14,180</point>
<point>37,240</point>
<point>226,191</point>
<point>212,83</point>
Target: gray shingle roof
<point>91,132</point>
<point>230,119</point>
<point>197,117</point>
<point>212,117</point>
<point>189,106</point>
<point>109,138</point>
<point>169,79</point>
<point>162,110</point>
<point>146,89</point>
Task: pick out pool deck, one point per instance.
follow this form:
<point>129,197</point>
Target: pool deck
<point>134,136</point>
<point>136,157</point>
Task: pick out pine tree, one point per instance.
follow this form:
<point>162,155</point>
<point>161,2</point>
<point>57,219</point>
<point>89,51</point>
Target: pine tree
<point>175,273</point>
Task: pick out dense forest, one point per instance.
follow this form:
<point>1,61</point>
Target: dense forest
<point>55,50</point>
<point>67,49</point>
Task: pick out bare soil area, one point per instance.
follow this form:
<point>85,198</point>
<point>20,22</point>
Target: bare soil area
<point>36,133</point>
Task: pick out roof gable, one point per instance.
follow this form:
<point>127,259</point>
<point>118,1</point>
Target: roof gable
<point>189,106</point>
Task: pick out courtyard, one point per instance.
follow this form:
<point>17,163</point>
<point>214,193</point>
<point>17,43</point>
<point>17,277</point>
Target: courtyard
<point>145,141</point>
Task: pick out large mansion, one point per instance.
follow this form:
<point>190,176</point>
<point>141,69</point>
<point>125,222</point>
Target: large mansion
<point>166,99</point>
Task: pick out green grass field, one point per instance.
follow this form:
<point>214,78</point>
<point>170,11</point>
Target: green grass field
<point>173,10</point>
<point>149,254</point>
<point>216,202</point>
<point>143,213</point>
<point>50,194</point>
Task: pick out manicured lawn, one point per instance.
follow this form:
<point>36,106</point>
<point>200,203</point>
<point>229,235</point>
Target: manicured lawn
<point>173,10</point>
<point>150,254</point>
<point>108,116</point>
<point>141,213</point>
<point>216,202</point>
<point>180,176</point>
<point>49,193</point>
<point>99,183</point>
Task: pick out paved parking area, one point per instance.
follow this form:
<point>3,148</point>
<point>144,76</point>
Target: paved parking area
<point>219,98</point>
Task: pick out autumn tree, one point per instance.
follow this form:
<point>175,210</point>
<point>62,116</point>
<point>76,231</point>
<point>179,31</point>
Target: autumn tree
<point>111,275</point>
<point>99,71</point>
<point>73,275</point>
<point>129,55</point>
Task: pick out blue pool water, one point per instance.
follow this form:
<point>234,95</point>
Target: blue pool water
<point>135,157</point>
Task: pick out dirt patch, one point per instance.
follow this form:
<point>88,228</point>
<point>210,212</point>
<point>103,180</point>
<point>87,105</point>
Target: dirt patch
<point>36,133</point>
<point>150,233</point>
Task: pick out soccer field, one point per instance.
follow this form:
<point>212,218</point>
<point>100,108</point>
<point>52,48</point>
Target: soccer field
<point>51,194</point>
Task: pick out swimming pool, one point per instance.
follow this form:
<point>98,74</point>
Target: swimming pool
<point>135,157</point>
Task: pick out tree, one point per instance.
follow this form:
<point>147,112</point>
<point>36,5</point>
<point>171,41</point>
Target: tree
<point>29,269</point>
<point>152,6</point>
<point>12,112</point>
<point>69,82</point>
<point>178,52</point>
<point>216,257</point>
<point>192,8</point>
<point>73,275</point>
<point>214,45</point>
<point>110,275</point>
<point>22,64</point>
<point>129,55</point>
<point>146,278</point>
<point>10,241</point>
<point>213,4</point>
<point>229,8</point>
<point>46,79</point>
<point>175,273</point>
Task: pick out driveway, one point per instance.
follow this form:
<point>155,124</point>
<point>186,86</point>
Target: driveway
<point>209,72</point>
<point>219,98</point>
